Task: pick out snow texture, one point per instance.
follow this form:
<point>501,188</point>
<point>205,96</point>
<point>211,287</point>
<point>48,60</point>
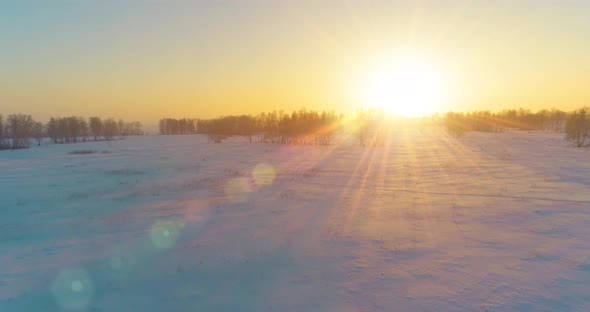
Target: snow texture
<point>488,222</point>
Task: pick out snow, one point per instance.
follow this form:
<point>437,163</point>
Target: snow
<point>488,222</point>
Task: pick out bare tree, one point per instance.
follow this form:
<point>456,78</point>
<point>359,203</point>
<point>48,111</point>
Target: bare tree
<point>73,129</point>
<point>109,129</point>
<point>121,127</point>
<point>83,130</point>
<point>3,143</point>
<point>38,132</point>
<point>20,129</point>
<point>457,124</point>
<point>52,129</point>
<point>95,127</point>
<point>577,127</point>
<point>136,128</point>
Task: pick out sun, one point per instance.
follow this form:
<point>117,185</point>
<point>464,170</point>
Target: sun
<point>408,87</point>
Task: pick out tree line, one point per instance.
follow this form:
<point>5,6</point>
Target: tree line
<point>75,129</point>
<point>373,127</point>
<point>575,124</point>
<point>302,127</point>
<point>18,130</point>
<point>552,120</point>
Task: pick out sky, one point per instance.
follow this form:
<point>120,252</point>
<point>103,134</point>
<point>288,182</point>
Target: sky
<point>148,59</point>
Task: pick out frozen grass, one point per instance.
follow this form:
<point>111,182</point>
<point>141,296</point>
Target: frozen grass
<point>488,222</point>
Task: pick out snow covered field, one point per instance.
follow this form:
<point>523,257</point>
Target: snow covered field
<point>489,222</point>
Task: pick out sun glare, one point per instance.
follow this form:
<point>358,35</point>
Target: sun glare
<point>409,88</point>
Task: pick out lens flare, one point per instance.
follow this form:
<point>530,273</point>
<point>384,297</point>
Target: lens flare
<point>164,234</point>
<point>77,286</point>
<point>263,174</point>
<point>72,289</point>
<point>236,190</point>
<point>116,263</point>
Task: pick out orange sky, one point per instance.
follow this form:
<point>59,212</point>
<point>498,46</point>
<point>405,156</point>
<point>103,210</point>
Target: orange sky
<point>143,60</point>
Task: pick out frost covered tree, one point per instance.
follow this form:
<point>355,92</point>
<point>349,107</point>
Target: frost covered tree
<point>3,143</point>
<point>74,128</point>
<point>136,128</point>
<point>121,127</point>
<point>83,130</point>
<point>556,120</point>
<point>110,129</point>
<point>20,130</point>
<point>95,127</point>
<point>577,126</point>
<point>52,129</point>
<point>456,124</point>
<point>38,132</point>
